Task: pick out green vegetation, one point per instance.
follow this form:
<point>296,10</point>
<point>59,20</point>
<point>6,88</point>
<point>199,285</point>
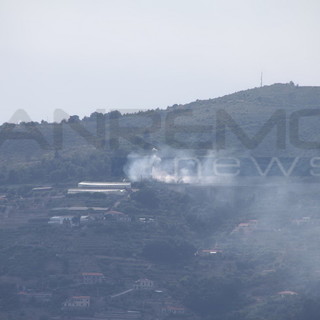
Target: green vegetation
<point>223,253</point>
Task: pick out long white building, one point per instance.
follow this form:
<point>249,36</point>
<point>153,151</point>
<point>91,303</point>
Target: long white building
<point>92,190</point>
<point>104,185</point>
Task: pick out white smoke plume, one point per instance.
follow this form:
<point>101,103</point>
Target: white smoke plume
<point>148,167</point>
<point>171,166</point>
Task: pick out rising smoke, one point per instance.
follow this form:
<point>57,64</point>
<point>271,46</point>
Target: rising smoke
<point>170,166</point>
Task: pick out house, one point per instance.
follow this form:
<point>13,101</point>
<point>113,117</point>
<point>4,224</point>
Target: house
<point>117,216</point>
<point>245,227</point>
<point>284,294</point>
<point>61,220</point>
<point>173,310</point>
<point>92,277</point>
<point>146,220</point>
<point>143,284</point>
<point>81,302</point>
<point>302,221</point>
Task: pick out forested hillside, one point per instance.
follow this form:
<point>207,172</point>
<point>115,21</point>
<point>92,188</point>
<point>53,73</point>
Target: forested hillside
<point>260,122</point>
<point>211,213</point>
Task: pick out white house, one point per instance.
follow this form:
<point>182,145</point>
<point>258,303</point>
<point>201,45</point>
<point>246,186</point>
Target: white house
<point>92,277</point>
<point>60,219</point>
<point>77,302</point>
<point>143,284</point>
<point>287,293</point>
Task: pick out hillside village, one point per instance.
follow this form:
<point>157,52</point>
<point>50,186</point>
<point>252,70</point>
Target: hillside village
<point>79,241</point>
<point>159,160</point>
<point>45,207</point>
<point>101,252</point>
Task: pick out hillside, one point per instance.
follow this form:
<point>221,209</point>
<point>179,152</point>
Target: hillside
<point>224,252</point>
<point>225,230</point>
<point>230,125</point>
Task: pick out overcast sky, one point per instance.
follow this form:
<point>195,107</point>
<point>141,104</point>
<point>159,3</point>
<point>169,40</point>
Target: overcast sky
<point>84,55</point>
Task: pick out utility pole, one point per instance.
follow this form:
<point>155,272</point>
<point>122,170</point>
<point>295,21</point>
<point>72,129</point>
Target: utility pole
<point>261,79</point>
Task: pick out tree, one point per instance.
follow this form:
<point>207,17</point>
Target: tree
<point>169,251</point>
<point>213,296</point>
<point>8,297</point>
<point>147,197</point>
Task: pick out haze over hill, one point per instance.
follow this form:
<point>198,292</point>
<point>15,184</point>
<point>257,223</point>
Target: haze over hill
<point>137,182</point>
<point>233,250</point>
<point>280,120</point>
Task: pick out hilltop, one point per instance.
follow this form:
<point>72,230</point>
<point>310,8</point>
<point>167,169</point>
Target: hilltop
<point>104,140</point>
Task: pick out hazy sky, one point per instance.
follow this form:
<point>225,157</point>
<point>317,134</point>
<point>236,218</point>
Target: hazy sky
<point>84,55</point>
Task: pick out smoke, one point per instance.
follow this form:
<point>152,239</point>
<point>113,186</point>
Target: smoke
<point>285,239</point>
<point>151,167</point>
<point>148,167</point>
<point>171,166</point>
